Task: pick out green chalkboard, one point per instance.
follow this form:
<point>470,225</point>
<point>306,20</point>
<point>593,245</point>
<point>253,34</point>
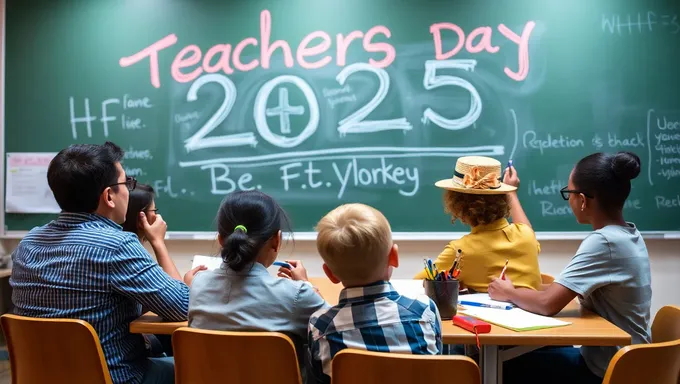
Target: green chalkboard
<point>321,102</point>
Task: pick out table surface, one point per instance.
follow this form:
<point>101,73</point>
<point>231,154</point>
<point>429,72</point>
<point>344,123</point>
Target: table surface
<point>586,328</point>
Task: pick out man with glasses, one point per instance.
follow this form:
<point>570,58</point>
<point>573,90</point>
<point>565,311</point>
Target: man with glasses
<point>82,265</point>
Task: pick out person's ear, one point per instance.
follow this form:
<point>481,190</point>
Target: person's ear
<point>584,201</point>
<point>278,240</point>
<point>107,198</point>
<point>330,274</point>
<point>219,240</point>
<point>393,257</point>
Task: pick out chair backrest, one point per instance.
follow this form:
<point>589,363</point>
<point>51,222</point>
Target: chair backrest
<point>657,363</point>
<point>547,279</point>
<point>54,351</point>
<point>351,366</point>
<point>666,326</point>
<point>203,356</point>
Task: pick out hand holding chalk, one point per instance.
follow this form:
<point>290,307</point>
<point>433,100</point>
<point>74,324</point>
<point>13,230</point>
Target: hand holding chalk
<point>510,177</point>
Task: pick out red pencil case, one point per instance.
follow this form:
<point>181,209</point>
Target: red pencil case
<point>473,325</point>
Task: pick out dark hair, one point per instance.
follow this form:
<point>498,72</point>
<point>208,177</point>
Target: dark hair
<point>606,177</point>
<point>140,199</point>
<point>262,218</point>
<point>475,210</point>
<point>79,174</point>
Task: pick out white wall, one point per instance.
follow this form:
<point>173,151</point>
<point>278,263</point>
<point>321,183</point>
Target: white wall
<point>664,255</point>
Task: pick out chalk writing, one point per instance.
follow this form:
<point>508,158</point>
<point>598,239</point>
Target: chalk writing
<point>640,23</point>
<point>190,63</point>
<point>663,133</point>
<point>186,117</point>
<point>199,139</point>
<point>531,140</point>
<point>338,96</point>
<point>552,188</point>
<point>137,154</point>
<point>134,172</point>
<point>260,112</point>
<point>222,182</point>
<point>667,202</point>
<point>127,122</point>
<point>353,123</point>
<point>432,80</point>
<point>549,208</point>
<point>164,188</point>
<point>130,102</point>
<point>616,141</point>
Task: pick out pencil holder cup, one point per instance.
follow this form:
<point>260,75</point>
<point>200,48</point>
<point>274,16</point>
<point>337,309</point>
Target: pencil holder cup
<point>445,296</point>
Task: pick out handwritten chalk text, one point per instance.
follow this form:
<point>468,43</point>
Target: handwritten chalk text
<point>312,51</point>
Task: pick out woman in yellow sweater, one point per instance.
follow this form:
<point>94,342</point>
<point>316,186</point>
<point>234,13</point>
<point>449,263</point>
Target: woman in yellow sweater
<point>477,198</point>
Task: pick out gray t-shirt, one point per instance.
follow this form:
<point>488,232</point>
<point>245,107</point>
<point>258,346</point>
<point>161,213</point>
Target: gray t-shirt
<point>253,300</point>
<point>610,273</point>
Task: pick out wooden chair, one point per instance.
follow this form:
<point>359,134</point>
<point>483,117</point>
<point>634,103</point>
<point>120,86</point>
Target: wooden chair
<point>203,356</point>
<point>666,326</point>
<point>54,351</point>
<point>657,363</point>
<point>351,366</point>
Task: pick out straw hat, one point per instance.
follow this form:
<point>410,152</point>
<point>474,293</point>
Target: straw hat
<point>476,175</point>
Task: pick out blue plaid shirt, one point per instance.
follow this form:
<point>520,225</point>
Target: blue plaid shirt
<point>84,266</point>
<point>373,318</point>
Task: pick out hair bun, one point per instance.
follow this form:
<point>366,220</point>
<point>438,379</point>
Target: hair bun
<point>626,165</point>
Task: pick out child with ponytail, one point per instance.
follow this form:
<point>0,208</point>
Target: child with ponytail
<point>241,295</point>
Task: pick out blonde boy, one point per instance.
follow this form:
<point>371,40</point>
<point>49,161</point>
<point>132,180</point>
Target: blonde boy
<point>355,242</point>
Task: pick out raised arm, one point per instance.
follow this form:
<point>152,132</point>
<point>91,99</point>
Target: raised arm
<point>135,275</point>
<point>516,211</point>
<point>155,233</point>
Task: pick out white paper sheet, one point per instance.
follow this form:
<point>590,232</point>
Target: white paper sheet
<point>209,261</point>
<point>514,319</point>
<point>408,287</point>
<point>26,189</point>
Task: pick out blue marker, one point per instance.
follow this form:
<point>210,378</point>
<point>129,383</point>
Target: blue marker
<point>510,163</point>
<point>283,264</point>
<point>484,305</point>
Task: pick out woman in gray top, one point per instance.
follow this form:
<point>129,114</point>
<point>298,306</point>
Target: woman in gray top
<point>610,274</point>
<point>241,295</point>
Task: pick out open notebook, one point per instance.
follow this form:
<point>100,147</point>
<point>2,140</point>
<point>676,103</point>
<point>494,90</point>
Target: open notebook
<point>515,319</point>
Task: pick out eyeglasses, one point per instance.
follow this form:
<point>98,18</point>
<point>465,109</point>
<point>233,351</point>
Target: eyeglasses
<point>130,182</point>
<point>565,193</point>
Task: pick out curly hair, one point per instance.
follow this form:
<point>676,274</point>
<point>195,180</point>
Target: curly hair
<point>475,210</point>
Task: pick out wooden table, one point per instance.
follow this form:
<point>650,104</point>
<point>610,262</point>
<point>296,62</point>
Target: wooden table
<point>586,328</point>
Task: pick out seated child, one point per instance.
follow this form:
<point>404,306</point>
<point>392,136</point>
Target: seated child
<point>477,198</point>
<point>610,274</point>
<point>241,295</point>
<point>355,242</point>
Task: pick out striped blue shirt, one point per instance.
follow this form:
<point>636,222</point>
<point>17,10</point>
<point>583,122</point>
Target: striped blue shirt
<point>84,266</point>
<point>373,318</point>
